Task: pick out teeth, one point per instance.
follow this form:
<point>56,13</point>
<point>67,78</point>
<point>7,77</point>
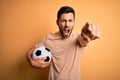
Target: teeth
<point>66,29</point>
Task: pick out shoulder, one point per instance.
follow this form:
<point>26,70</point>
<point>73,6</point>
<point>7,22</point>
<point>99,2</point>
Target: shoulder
<point>54,36</point>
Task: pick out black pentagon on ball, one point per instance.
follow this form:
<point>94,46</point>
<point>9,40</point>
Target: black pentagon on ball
<point>47,59</point>
<point>47,49</point>
<point>38,53</point>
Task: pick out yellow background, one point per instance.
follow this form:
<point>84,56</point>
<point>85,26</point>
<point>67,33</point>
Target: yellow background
<point>25,22</point>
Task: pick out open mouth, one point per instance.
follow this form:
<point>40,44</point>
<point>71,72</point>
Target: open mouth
<point>66,32</point>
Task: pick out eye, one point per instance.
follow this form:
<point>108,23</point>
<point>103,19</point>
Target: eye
<point>70,20</point>
<point>63,20</point>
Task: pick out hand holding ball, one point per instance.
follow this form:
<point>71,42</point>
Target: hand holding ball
<point>42,52</point>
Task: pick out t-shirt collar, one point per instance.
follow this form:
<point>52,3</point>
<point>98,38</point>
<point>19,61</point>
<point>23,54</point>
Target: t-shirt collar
<point>56,35</point>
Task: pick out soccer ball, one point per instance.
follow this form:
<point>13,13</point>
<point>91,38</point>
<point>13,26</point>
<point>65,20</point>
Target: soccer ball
<point>42,52</point>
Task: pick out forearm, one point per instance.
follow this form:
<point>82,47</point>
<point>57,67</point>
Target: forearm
<point>29,58</point>
<point>29,55</point>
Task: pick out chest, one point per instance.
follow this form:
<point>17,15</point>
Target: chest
<point>60,46</point>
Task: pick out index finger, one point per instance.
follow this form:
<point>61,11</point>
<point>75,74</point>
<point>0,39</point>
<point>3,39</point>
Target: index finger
<point>87,28</point>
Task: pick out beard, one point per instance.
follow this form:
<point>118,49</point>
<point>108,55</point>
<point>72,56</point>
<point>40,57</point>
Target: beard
<point>65,32</point>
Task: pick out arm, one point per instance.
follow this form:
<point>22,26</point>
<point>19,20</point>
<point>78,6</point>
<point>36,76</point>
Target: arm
<point>88,33</point>
<point>36,63</point>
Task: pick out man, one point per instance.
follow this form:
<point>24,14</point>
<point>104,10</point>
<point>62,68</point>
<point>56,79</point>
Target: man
<point>66,47</point>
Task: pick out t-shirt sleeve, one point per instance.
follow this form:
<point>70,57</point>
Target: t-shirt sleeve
<point>42,42</point>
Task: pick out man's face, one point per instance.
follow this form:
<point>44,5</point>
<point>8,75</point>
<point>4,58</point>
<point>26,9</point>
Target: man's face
<point>66,24</point>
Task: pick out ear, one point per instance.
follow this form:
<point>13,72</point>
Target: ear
<point>57,22</point>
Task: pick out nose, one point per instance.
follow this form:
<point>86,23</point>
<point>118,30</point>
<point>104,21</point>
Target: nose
<point>67,24</point>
